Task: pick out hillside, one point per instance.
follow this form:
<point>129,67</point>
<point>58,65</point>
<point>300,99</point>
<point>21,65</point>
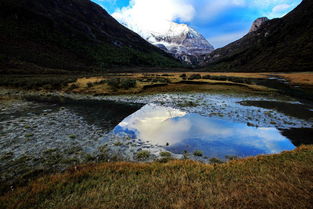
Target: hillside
<point>284,44</point>
<point>70,35</point>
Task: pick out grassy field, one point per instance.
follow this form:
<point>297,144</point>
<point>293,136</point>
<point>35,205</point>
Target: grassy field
<point>167,82</point>
<point>133,83</point>
<point>299,78</point>
<point>274,181</point>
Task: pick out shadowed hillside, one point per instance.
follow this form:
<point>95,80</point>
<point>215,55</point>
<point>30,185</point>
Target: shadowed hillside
<point>71,35</point>
<point>284,44</point>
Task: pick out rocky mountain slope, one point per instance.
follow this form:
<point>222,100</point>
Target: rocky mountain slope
<point>282,44</point>
<point>180,40</point>
<point>71,35</point>
<point>183,42</point>
<point>257,24</point>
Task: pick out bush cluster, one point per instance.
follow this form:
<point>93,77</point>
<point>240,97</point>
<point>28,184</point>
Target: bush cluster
<point>194,77</point>
<point>183,76</point>
<point>125,83</point>
<point>143,155</point>
<point>228,78</point>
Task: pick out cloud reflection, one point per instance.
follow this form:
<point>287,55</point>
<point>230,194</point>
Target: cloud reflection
<point>215,137</point>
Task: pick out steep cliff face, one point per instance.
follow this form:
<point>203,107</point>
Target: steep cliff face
<point>282,44</point>
<point>71,34</point>
<point>257,24</point>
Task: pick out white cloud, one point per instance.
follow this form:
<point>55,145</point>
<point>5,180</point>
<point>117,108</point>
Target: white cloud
<point>145,16</point>
<point>154,15</point>
<point>281,7</point>
<point>279,10</point>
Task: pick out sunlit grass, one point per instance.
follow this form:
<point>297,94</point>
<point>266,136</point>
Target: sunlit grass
<point>170,82</point>
<point>273,181</point>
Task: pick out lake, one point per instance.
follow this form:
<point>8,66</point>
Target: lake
<point>181,132</point>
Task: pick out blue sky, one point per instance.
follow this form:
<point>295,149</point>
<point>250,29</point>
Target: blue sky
<point>219,21</point>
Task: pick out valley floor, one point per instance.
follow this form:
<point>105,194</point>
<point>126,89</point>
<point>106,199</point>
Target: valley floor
<point>274,181</point>
<point>135,83</point>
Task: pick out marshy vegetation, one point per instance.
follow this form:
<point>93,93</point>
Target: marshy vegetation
<point>274,181</point>
<point>143,155</point>
<point>188,184</point>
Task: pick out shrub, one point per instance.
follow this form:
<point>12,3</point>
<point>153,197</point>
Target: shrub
<point>219,78</point>
<point>188,104</point>
<point>114,83</point>
<point>27,127</point>
<point>198,153</point>
<point>73,86</point>
<point>230,157</point>
<point>194,77</point>
<point>101,82</point>
<point>215,160</point>
<point>72,136</point>
<point>29,135</point>
<point>47,86</point>
<point>143,155</point>
<point>207,77</point>
<point>164,160</point>
<point>89,84</point>
<point>166,154</point>
<point>128,83</point>
<point>117,83</point>
<point>183,75</point>
<point>161,80</point>
<point>118,144</point>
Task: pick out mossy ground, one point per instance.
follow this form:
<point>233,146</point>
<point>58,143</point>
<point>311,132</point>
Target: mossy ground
<point>274,181</point>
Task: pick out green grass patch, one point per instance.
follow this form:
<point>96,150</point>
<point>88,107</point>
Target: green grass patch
<point>72,136</point>
<point>143,155</point>
<point>166,154</point>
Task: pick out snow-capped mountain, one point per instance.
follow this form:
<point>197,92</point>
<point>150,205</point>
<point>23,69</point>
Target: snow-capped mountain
<point>179,40</point>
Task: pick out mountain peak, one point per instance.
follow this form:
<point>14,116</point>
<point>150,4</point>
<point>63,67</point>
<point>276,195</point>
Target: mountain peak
<point>180,40</point>
<point>281,44</point>
<point>257,24</point>
<point>183,42</point>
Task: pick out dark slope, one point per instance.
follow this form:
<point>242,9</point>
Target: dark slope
<point>284,44</point>
<point>70,34</point>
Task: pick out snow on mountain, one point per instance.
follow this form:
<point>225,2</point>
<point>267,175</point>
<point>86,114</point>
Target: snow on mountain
<point>179,40</point>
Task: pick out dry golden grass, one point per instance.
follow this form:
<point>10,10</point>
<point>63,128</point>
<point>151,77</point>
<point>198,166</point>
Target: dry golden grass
<point>299,78</point>
<point>174,80</point>
<point>273,181</point>
<point>240,75</point>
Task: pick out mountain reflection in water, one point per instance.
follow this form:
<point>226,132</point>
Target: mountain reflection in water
<point>179,131</point>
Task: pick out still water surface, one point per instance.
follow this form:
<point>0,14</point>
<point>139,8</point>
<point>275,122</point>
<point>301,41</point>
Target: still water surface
<point>179,132</point>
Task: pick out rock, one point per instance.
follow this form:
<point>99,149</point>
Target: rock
<point>257,24</point>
